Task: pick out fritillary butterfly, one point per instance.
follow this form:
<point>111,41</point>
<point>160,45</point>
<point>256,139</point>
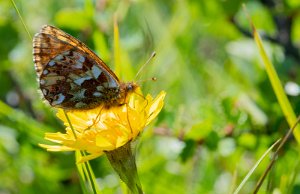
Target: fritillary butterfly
<point>71,76</point>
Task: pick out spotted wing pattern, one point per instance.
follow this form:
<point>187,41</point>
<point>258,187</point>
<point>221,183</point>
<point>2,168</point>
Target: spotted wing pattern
<point>70,75</point>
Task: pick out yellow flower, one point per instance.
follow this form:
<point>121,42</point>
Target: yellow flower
<point>101,129</point>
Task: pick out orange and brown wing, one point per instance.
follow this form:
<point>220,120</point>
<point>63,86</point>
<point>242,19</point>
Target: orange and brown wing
<point>51,41</point>
<point>71,76</point>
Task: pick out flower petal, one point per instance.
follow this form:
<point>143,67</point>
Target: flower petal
<point>156,106</point>
<point>105,129</point>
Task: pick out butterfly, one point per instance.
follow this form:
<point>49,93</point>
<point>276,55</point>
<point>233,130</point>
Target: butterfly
<point>71,76</point>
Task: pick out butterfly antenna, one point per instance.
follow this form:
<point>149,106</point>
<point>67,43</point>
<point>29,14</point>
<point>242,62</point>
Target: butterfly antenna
<point>147,62</point>
<point>146,80</point>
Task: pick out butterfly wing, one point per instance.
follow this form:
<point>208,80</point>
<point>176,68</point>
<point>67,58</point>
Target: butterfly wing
<point>71,76</point>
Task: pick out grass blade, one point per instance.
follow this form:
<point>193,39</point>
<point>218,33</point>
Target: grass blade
<point>20,16</point>
<point>117,60</point>
<point>277,87</point>
<point>254,167</point>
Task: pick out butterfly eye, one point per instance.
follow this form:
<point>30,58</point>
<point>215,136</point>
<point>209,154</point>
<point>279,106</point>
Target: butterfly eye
<point>129,87</point>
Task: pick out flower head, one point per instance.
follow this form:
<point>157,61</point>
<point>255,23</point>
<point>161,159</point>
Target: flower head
<point>105,129</point>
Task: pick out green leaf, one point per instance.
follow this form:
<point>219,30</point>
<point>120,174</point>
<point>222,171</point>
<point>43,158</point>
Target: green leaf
<point>73,19</point>
<point>200,130</point>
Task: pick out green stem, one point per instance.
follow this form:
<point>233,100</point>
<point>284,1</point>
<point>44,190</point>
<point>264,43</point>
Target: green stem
<point>123,161</point>
<point>86,168</point>
<point>70,124</point>
<point>20,16</point>
<point>89,174</point>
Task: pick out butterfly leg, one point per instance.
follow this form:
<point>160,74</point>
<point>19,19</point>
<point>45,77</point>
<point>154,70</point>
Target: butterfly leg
<point>127,107</point>
<point>95,120</point>
<point>143,99</point>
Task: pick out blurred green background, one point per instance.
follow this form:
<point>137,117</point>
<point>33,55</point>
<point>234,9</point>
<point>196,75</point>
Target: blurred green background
<point>220,112</point>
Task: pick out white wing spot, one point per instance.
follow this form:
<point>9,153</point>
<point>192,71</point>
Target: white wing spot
<point>78,65</point>
<point>51,63</point>
<point>78,56</point>
<point>79,81</point>
<point>100,88</point>
<point>45,91</point>
<point>59,57</point>
<point>45,72</point>
<point>66,53</point>
<point>51,80</point>
<point>74,76</point>
<point>52,74</point>
<point>59,100</point>
<point>81,58</point>
<point>97,94</point>
<point>96,71</point>
<point>42,81</point>
<point>112,83</point>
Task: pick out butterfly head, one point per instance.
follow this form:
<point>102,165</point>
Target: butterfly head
<point>129,87</point>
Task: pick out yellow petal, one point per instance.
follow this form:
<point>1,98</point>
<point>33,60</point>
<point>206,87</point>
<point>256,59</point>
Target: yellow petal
<point>105,129</point>
<point>156,106</point>
<point>89,157</point>
<point>56,148</point>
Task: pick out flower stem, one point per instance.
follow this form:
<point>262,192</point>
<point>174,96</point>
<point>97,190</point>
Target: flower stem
<point>86,169</point>
<point>123,162</point>
<point>89,174</point>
